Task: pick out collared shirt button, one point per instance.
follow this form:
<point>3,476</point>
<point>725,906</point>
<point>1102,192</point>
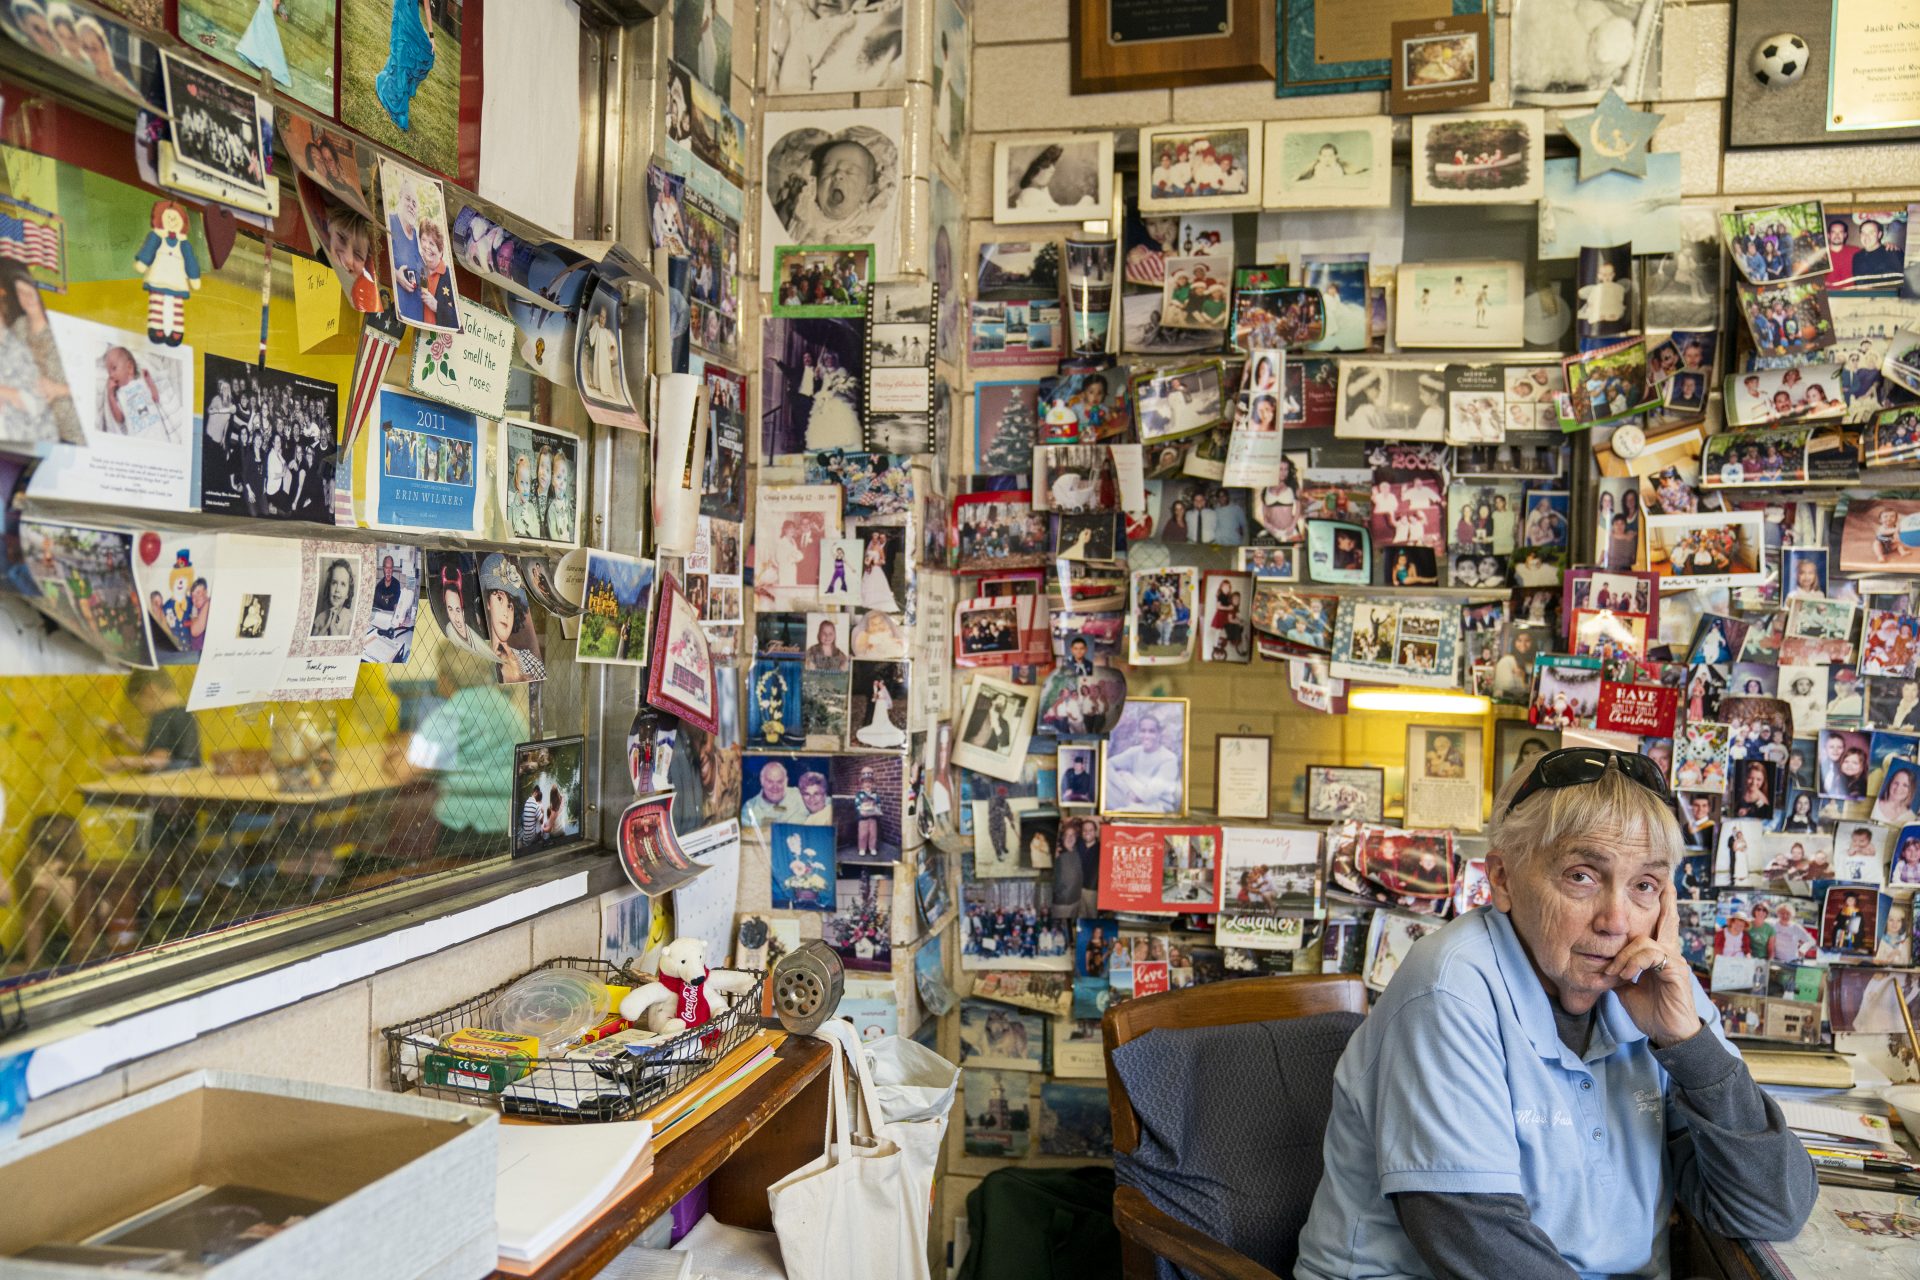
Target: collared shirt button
<point>1586,1084</point>
<point>1597,1135</point>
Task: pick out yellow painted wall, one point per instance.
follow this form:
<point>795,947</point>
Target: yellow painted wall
<point>51,727</point>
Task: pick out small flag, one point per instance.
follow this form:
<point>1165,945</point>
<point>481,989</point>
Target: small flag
<point>24,240</point>
<point>370,363</point>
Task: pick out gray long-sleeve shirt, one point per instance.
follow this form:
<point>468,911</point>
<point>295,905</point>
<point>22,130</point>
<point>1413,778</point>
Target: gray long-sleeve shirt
<point>1737,1170</point>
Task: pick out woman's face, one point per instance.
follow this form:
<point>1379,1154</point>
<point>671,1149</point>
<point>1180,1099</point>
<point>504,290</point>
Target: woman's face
<point>339,585</point>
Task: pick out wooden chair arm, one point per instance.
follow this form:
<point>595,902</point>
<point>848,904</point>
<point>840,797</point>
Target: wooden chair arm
<point>1167,1237</point>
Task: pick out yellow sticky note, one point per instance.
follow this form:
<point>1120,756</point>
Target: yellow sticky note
<point>317,300</point>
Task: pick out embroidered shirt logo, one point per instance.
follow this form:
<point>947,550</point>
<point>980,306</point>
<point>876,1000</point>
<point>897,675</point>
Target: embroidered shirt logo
<point>1535,1117</point>
<point>1646,1102</point>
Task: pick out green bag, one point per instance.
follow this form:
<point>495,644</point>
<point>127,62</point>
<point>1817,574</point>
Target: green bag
<point>1043,1224</point>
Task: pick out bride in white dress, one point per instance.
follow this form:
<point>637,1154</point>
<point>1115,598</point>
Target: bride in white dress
<point>875,591</point>
<point>834,420</point>
<point>880,731</point>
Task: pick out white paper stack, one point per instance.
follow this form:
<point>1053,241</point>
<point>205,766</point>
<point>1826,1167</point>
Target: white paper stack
<point>553,1176</point>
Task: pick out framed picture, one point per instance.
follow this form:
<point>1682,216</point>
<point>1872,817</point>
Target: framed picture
<point>822,279</point>
<point>680,680</point>
<point>549,780</point>
<point>1201,167</point>
<point>1064,178</point>
<point>1241,772</point>
<point>1336,793</point>
<point>1143,44</point>
<point>1517,744</point>
<point>1443,775</point>
<point>1343,163</point>
<point>1440,63</point>
<point>1488,157</point>
<point>1143,762</point>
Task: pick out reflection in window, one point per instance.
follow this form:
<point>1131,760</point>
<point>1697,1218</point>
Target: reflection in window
<point>135,823</point>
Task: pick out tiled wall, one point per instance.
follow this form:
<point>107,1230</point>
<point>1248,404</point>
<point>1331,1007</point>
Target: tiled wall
<point>335,1038</point>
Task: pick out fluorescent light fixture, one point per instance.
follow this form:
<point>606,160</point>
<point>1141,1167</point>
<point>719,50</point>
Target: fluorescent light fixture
<point>1428,704</point>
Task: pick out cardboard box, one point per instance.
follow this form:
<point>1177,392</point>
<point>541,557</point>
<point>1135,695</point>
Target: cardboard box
<point>407,1183</point>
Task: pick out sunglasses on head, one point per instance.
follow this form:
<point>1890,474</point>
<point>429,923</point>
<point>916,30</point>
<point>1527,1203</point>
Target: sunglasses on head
<point>1578,766</point>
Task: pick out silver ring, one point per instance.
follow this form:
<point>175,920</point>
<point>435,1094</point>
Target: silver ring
<point>1660,964</point>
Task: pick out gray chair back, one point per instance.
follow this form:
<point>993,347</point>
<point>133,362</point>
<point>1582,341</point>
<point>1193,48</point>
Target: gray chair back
<point>1232,1119</point>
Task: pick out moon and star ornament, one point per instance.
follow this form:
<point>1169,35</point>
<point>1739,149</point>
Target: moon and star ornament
<point>1612,136</point>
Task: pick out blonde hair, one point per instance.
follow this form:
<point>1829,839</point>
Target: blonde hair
<point>1614,804</point>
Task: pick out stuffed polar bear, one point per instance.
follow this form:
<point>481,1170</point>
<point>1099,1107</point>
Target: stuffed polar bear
<point>678,1000</point>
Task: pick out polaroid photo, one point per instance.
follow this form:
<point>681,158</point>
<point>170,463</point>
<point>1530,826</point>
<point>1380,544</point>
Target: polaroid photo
<point>996,722</point>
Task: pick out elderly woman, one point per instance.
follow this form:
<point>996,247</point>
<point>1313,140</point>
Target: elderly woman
<point>1544,1076</point>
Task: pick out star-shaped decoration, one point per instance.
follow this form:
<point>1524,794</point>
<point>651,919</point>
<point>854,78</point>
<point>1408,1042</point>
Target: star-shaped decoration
<point>1612,136</point>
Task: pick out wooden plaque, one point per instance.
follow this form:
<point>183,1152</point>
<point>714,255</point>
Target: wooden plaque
<point>1170,44</point>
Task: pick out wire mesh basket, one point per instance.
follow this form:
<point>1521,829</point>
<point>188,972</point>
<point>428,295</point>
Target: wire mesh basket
<point>560,1089</point>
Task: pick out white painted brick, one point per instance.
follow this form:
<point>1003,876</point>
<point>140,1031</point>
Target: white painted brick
<point>1019,21</point>
<point>1024,87</point>
<point>1694,51</point>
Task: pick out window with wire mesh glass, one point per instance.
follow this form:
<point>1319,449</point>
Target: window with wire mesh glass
<point>134,824</point>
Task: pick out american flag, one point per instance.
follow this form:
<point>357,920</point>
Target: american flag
<point>37,244</point>
<point>369,367</point>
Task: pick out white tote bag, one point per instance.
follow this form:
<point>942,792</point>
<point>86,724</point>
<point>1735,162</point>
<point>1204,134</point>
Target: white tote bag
<point>855,1213</point>
<point>913,1089</point>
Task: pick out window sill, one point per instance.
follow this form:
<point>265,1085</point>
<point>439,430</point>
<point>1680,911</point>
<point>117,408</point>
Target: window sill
<point>133,1010</point>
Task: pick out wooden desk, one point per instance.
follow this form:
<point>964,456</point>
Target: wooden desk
<point>767,1132</point>
<point>360,773</point>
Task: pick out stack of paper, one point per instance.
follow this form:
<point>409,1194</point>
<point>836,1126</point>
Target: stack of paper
<point>553,1177</point>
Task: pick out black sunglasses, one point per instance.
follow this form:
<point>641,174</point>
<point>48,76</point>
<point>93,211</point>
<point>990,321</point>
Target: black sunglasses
<point>1578,766</point>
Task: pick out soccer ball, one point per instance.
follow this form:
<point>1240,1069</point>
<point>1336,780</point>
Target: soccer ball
<point>1779,61</point>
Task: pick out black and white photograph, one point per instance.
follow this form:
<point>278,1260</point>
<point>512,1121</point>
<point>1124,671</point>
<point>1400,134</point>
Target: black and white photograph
<point>832,177</point>
<point>267,443</point>
<point>1570,52</point>
<point>215,126</point>
<point>333,592</point>
<point>1682,289</point>
<point>996,722</point>
<point>832,46</point>
<point>1061,179</point>
<point>1389,400</point>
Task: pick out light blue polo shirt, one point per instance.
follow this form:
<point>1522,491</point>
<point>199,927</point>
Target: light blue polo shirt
<point>1458,1082</point>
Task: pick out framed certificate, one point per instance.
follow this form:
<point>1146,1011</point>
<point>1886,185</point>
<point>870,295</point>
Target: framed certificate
<point>1241,763</point>
<point>1871,52</point>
